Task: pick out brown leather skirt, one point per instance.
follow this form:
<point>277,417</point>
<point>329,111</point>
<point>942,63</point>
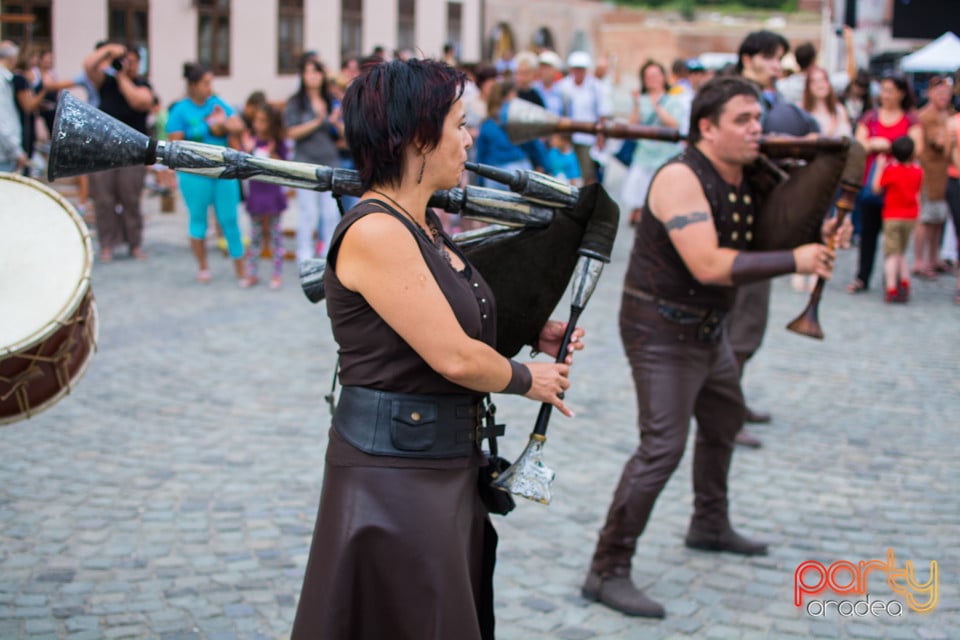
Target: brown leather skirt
<point>398,552</point>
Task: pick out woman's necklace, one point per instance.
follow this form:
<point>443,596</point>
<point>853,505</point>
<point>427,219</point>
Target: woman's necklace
<point>435,237</point>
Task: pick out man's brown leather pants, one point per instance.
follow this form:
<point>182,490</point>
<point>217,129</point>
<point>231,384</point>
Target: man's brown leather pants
<point>677,377</point>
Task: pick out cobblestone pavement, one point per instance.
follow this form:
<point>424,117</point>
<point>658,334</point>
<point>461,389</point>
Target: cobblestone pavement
<point>172,494</point>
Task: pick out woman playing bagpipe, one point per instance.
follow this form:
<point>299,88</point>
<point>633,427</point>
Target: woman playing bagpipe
<point>403,546</point>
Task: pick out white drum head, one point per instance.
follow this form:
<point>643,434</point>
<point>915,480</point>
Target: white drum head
<point>45,259</point>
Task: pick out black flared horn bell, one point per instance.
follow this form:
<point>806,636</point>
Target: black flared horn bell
<point>86,140</point>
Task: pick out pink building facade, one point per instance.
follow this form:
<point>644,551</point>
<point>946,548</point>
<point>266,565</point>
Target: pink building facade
<point>250,38</point>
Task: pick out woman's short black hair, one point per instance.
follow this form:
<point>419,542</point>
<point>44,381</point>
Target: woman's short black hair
<point>392,105</point>
<point>713,97</point>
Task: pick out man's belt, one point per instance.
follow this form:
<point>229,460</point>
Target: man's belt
<point>698,313</point>
<point>411,425</point>
<point>709,321</point>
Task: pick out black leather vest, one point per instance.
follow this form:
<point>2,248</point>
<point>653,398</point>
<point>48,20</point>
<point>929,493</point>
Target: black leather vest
<point>656,267</point>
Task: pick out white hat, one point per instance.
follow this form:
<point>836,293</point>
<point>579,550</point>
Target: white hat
<point>789,63</point>
<point>550,58</point>
<point>579,60</point>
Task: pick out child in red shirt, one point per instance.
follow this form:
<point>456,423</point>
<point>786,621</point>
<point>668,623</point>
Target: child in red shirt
<point>900,180</point>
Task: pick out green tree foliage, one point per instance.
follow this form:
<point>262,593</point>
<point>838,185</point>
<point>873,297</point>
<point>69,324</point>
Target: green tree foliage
<point>783,5</point>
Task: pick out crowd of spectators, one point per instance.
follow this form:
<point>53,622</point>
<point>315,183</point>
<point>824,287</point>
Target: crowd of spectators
<point>873,110</point>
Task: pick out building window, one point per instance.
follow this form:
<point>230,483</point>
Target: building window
<point>455,25</point>
<point>543,39</point>
<point>351,28</point>
<point>406,24</point>
<point>500,41</point>
<point>127,24</point>
<point>213,35</point>
<point>289,35</point>
<point>27,22</point>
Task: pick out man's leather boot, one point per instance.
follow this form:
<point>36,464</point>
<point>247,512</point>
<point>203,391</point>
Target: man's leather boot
<point>747,439</point>
<point>758,417</point>
<point>727,540</point>
<point>620,594</point>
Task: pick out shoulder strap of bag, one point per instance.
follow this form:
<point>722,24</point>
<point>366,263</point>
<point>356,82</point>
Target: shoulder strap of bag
<point>331,397</point>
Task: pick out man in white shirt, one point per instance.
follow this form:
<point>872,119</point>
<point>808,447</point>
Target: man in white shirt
<point>12,156</point>
<point>584,100</point>
<point>549,86</point>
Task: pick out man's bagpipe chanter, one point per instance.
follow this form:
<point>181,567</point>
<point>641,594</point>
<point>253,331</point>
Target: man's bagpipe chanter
<point>797,180</point>
<point>545,236</point>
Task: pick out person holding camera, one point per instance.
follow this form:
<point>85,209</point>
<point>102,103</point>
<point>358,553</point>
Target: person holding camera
<point>12,156</point>
<point>114,70</point>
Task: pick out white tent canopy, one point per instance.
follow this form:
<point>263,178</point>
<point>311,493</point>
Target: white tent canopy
<point>940,56</point>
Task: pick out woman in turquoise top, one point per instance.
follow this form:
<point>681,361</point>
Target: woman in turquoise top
<point>654,106</point>
<point>203,117</point>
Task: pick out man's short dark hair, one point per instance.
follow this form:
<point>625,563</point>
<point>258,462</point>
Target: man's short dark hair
<point>679,68</point>
<point>805,54</point>
<point>193,72</point>
<point>763,42</point>
<point>392,105</point>
<point>256,99</point>
<point>484,72</point>
<point>902,148</point>
<point>713,97</point>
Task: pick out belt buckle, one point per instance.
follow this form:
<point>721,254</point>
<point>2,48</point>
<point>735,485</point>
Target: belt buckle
<point>710,329</point>
<point>676,315</point>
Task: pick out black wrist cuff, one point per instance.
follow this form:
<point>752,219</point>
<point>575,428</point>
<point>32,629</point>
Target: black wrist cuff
<point>520,379</point>
<point>753,266</point>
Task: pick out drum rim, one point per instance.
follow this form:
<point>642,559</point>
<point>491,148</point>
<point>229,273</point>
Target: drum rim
<point>83,285</point>
<point>66,389</point>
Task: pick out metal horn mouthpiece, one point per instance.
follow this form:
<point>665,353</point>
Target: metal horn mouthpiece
<point>529,477</point>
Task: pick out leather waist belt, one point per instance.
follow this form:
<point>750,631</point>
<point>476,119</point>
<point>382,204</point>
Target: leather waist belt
<point>699,312</point>
<point>410,425</point>
<point>708,322</point>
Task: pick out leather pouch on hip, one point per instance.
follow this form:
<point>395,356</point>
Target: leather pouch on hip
<point>413,425</point>
<point>495,500</point>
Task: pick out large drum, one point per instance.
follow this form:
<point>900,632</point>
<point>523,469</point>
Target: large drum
<point>48,318</point>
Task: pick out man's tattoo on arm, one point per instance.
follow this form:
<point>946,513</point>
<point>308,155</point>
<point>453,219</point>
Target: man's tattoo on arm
<point>679,222</point>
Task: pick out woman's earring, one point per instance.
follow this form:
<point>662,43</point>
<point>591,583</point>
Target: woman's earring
<point>423,164</point>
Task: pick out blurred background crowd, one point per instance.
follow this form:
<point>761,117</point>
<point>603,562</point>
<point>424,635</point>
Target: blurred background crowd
<point>247,221</point>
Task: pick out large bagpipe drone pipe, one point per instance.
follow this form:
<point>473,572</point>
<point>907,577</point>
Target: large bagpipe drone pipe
<point>546,236</point>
